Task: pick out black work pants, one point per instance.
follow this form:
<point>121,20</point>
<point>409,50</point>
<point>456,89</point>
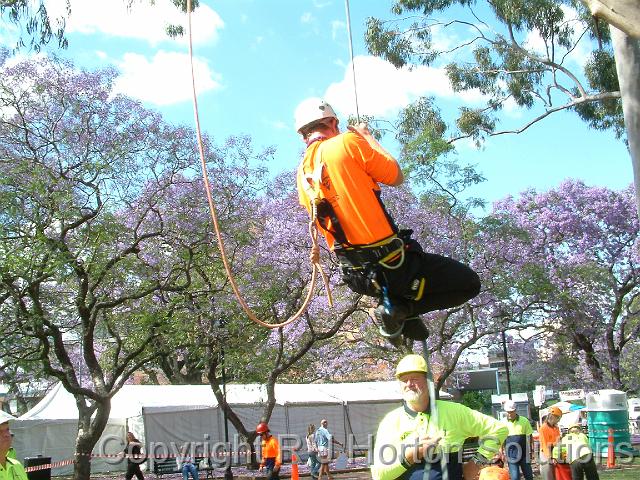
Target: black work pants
<point>133,469</point>
<point>446,282</point>
<point>581,469</point>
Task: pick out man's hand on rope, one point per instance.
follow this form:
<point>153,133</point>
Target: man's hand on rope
<point>425,447</point>
<point>362,128</point>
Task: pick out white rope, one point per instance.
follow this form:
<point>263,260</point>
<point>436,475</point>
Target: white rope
<point>353,65</point>
<point>444,469</point>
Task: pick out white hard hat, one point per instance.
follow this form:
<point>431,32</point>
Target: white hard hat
<point>5,417</point>
<point>312,110</point>
<point>509,406</point>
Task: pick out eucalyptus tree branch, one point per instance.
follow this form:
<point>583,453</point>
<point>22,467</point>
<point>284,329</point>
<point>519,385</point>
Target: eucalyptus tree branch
<point>545,61</point>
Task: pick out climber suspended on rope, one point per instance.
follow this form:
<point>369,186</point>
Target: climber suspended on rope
<point>338,183</point>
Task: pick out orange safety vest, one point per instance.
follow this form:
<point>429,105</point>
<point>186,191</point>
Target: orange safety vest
<point>271,449</point>
<point>344,171</point>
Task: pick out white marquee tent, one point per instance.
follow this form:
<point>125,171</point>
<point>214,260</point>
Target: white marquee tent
<point>165,417</point>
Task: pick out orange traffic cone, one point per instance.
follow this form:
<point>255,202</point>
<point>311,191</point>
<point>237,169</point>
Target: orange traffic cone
<point>294,466</point>
<point>611,455</point>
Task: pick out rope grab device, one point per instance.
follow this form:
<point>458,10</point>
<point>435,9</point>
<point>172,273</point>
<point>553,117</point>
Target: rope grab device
<point>317,267</point>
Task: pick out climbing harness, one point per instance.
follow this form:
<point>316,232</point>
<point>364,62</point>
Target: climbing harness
<point>317,268</point>
<point>353,65</point>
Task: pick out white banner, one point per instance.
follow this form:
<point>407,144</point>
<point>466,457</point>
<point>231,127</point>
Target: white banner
<point>568,395</point>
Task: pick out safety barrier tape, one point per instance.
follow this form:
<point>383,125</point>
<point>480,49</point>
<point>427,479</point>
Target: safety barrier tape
<point>123,456</point>
<point>59,464</point>
<point>606,430</point>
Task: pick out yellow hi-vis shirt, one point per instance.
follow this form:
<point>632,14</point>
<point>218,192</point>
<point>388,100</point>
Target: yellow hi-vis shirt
<point>572,447</point>
<point>401,428</point>
<point>13,470</point>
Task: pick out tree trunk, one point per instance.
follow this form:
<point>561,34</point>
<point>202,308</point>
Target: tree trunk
<point>89,431</point>
<point>624,14</point>
<point>614,369</point>
<point>627,54</point>
<point>581,342</point>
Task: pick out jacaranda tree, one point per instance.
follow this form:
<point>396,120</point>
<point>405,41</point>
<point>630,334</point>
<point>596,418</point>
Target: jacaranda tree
<point>577,256</point>
<point>86,258</point>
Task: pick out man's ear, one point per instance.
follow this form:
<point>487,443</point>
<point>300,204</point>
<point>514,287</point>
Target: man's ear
<point>334,125</point>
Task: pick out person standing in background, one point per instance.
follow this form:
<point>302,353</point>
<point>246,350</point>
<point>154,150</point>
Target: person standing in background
<point>324,440</point>
<point>133,450</point>
<point>549,436</point>
<point>271,455</point>
<point>517,447</point>
<point>312,449</point>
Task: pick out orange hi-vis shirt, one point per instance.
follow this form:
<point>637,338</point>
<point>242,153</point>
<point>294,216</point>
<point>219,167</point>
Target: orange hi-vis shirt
<point>271,449</point>
<point>350,178</point>
<point>549,436</point>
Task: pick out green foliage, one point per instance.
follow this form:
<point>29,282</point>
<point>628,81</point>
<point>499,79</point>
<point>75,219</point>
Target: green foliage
<point>491,57</point>
<point>421,133</point>
<point>480,401</point>
<point>39,27</point>
<point>601,74</point>
<point>475,122</point>
<point>387,43</point>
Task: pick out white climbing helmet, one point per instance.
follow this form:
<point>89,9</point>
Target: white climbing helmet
<point>312,110</point>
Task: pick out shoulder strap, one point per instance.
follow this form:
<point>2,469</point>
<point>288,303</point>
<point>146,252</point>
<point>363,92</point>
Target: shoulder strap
<point>313,179</point>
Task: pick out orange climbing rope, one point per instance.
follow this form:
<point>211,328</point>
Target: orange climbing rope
<point>317,268</point>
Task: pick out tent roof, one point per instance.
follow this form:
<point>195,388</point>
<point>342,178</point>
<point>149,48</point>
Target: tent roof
<point>132,399</point>
<point>521,397</point>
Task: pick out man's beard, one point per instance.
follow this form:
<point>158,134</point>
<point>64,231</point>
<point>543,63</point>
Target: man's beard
<point>412,396</point>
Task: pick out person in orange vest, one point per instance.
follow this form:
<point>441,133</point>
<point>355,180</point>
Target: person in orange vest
<point>549,437</point>
<point>271,457</point>
<point>338,182</point>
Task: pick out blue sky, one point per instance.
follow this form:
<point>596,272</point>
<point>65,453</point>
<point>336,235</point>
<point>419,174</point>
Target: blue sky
<point>256,60</point>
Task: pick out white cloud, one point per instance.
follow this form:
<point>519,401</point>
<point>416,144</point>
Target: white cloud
<point>512,109</point>
<point>442,39</point>
<point>535,42</point>
<point>142,21</point>
<point>164,80</point>
<point>278,125</point>
<point>306,17</point>
<point>337,27</point>
<point>384,89</point>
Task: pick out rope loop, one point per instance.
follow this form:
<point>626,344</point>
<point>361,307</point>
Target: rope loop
<point>317,268</point>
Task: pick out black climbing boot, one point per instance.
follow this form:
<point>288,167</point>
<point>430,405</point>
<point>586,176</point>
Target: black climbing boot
<point>391,320</point>
<point>415,329</point>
